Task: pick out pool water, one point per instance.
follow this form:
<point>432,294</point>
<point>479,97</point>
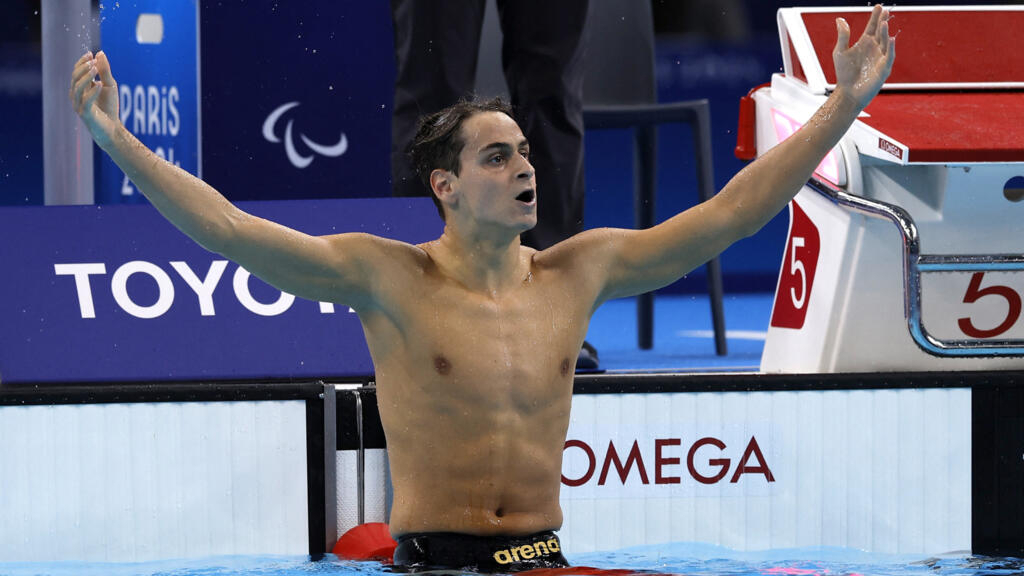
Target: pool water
<point>689,559</point>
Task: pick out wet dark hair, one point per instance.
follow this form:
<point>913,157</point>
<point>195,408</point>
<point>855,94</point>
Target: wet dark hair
<point>439,141</point>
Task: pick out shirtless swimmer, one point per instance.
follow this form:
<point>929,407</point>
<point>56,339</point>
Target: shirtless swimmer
<point>473,336</point>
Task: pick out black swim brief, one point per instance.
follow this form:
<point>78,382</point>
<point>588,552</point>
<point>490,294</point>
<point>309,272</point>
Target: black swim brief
<point>487,554</point>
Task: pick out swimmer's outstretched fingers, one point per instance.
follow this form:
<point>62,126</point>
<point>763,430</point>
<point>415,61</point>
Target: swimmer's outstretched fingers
<point>82,76</point>
<point>859,67</point>
<point>93,88</point>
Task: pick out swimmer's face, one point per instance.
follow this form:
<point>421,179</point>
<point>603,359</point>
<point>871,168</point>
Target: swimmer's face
<point>496,182</point>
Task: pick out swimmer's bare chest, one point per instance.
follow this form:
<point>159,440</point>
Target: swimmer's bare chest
<point>474,393</point>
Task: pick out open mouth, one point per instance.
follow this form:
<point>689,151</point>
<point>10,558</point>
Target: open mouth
<point>527,196</point>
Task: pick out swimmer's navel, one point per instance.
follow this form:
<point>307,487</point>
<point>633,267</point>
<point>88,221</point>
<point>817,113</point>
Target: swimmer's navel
<point>565,367</point>
<point>442,365</point>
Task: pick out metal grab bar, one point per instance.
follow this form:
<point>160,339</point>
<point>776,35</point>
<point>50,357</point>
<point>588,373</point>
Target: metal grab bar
<point>914,264</point>
<point>360,463</point>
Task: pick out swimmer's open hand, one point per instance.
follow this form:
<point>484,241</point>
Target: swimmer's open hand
<point>95,101</point>
<point>861,69</point>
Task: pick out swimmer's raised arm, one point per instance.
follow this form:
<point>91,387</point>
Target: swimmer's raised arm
<point>331,268</point>
<point>639,261</point>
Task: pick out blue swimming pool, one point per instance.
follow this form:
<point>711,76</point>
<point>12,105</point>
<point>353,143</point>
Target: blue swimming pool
<point>689,559</point>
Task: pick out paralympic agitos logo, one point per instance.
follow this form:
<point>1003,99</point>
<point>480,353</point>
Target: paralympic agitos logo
<point>705,453</point>
<point>294,156</point>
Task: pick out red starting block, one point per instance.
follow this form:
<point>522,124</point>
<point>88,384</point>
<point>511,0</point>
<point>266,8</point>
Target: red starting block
<point>904,249</point>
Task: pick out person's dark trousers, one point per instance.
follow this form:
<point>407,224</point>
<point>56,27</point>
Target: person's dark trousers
<point>436,46</point>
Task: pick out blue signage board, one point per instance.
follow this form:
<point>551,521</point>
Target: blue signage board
<point>115,294</point>
<point>153,48</point>
<point>296,98</point>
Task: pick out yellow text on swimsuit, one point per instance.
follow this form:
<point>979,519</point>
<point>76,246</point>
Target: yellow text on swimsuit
<point>527,551</point>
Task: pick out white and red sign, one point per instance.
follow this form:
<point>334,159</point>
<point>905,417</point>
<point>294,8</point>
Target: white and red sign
<point>879,470</point>
<point>704,462</point>
<point>973,305</point>
<point>797,276</point>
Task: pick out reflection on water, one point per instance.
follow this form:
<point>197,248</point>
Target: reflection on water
<point>689,559</point>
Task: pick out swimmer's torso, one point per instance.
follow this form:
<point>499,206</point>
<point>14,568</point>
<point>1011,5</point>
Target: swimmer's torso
<point>474,391</point>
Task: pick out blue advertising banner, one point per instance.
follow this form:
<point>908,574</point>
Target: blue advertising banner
<point>296,98</point>
<point>153,50</point>
<point>115,293</point>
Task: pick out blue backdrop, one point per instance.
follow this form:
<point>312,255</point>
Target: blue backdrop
<point>296,99</point>
<point>157,86</point>
<point>82,298</point>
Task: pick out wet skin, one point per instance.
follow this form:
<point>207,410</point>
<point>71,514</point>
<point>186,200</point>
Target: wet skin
<point>473,336</point>
<point>474,391</point>
<point>474,364</point>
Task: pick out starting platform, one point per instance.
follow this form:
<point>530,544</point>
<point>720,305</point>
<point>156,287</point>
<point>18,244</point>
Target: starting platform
<point>902,252</point>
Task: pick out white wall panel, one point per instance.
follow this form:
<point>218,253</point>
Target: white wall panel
<point>135,482</point>
<point>880,470</point>
<point>859,449</point>
<point>958,437</point>
<point>376,471</point>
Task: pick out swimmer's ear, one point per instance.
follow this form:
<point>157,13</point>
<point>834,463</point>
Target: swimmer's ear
<point>441,184</point>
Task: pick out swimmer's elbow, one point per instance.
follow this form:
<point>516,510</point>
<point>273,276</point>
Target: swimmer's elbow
<point>747,212</point>
<point>222,234</point>
<point>212,245</point>
<point>749,227</point>
<point>212,239</point>
<point>733,218</point>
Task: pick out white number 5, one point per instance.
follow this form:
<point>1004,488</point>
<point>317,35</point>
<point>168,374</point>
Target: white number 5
<point>796,266</point>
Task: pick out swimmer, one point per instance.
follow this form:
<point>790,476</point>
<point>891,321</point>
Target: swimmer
<point>473,336</point>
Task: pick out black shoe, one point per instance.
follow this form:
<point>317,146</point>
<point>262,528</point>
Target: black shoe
<point>587,360</point>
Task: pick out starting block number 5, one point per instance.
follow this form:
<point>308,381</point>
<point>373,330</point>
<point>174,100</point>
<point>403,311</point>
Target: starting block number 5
<point>796,266</point>
<point>796,281</point>
<point>975,292</point>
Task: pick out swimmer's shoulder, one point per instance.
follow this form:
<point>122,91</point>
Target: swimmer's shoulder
<point>582,249</point>
<point>378,252</point>
<point>583,263</point>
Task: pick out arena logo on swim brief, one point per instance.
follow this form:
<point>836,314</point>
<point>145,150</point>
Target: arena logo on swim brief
<point>203,288</point>
<point>527,551</point>
<point>700,466</point>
